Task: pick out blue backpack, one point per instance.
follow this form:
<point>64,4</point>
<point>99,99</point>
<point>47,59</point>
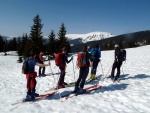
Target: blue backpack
<point>94,54</point>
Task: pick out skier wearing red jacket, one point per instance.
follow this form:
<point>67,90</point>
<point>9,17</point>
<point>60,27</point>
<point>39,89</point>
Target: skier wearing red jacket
<point>63,59</point>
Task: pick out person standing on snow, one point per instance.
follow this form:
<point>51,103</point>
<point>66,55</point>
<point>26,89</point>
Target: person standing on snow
<point>31,75</point>
<point>62,67</point>
<point>117,64</point>
<point>83,72</point>
<point>41,61</point>
<point>95,59</point>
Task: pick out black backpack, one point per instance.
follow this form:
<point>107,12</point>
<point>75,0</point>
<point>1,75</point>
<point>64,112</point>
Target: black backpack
<point>123,54</point>
<point>25,67</point>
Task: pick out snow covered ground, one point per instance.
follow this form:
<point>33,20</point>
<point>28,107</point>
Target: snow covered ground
<point>131,95</point>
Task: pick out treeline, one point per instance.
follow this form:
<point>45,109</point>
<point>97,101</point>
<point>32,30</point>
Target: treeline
<point>36,42</point>
<point>125,41</point>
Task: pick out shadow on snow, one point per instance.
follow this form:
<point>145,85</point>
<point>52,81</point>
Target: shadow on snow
<point>112,87</point>
<point>138,76</point>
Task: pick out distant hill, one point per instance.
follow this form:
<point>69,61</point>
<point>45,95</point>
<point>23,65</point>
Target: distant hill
<point>84,38</point>
<point>129,40</point>
<point>105,39</point>
<point>79,38</point>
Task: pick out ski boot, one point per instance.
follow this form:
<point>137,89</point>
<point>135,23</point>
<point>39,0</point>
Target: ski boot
<point>92,76</point>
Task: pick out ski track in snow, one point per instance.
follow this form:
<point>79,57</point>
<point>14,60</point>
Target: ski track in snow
<point>131,95</point>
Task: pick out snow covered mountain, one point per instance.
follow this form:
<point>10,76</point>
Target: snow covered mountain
<point>92,36</point>
<point>80,38</point>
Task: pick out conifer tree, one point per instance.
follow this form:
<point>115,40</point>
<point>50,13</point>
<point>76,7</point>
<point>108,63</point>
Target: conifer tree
<point>36,38</point>
<point>1,43</point>
<point>21,45</point>
<point>52,43</point>
<point>12,44</point>
<point>62,39</point>
<point>5,47</point>
<point>110,45</point>
<point>25,40</point>
<point>19,49</point>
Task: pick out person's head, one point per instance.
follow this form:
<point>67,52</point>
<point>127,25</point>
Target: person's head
<point>32,54</point>
<point>116,46</point>
<point>85,47</point>
<point>41,53</point>
<point>63,50</point>
<point>97,45</point>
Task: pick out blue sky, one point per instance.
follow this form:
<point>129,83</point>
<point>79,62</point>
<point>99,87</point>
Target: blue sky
<point>79,16</point>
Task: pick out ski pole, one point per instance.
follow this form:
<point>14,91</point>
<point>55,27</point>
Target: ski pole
<point>73,70</point>
<point>107,73</point>
<point>56,80</point>
<point>51,71</point>
<point>122,70</point>
<point>102,68</point>
<point>57,87</point>
<point>53,74</point>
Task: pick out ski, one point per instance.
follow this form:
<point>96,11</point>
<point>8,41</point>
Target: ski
<point>87,91</point>
<point>49,74</point>
<point>92,89</point>
<point>73,83</point>
<point>67,95</point>
<point>36,98</point>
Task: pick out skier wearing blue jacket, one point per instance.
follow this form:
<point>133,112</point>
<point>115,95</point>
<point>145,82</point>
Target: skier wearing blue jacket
<point>95,59</point>
<point>31,75</point>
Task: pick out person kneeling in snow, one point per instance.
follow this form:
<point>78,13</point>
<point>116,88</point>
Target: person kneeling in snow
<point>31,75</point>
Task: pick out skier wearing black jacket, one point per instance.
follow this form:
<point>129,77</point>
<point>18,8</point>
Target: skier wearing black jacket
<point>83,72</point>
<point>117,63</point>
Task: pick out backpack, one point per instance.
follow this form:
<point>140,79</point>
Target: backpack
<point>25,67</point>
<point>81,60</point>
<point>94,54</point>
<point>59,59</point>
<point>38,59</point>
<point>123,54</point>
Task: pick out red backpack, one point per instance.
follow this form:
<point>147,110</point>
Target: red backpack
<point>81,61</point>
<point>59,59</point>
